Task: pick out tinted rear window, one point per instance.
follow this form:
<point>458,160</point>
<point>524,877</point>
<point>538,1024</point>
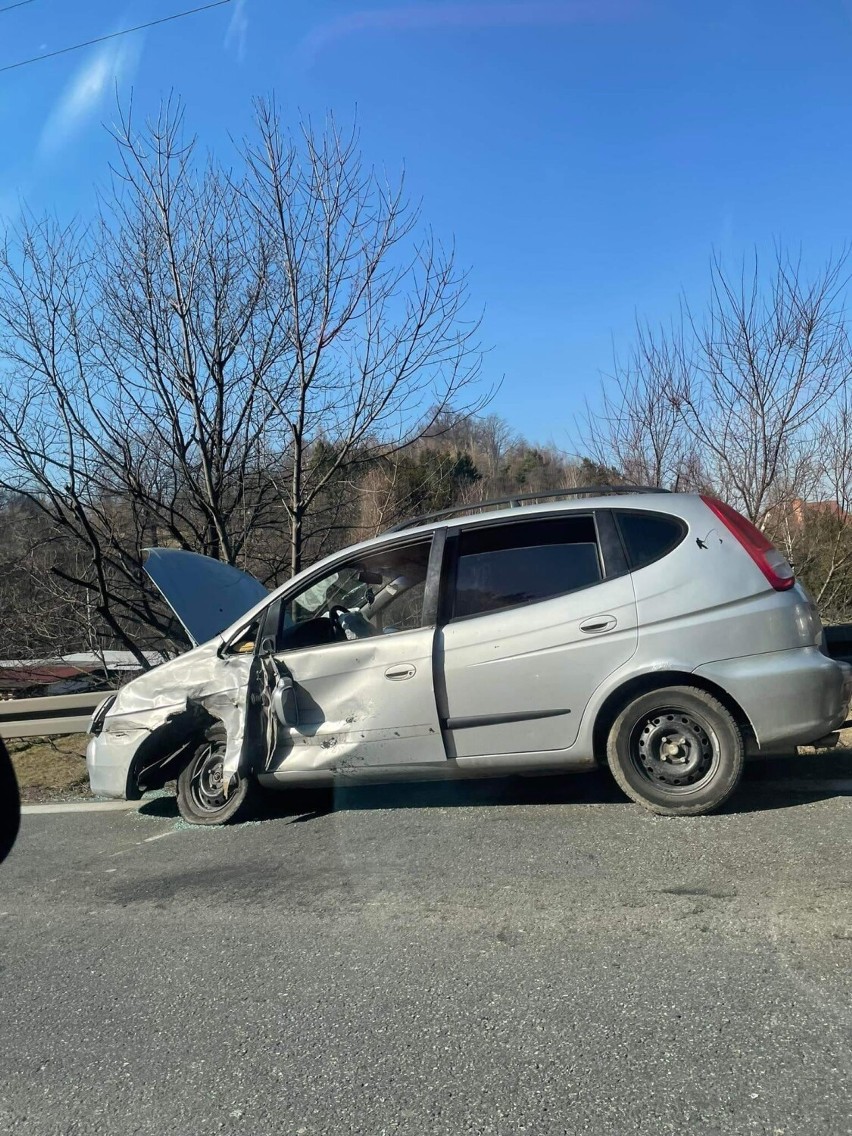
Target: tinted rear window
<point>505,565</point>
<point>648,536</point>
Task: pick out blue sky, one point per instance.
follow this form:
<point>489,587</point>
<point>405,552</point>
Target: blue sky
<point>586,155</point>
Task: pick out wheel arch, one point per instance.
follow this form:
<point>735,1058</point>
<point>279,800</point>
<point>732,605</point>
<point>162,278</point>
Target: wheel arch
<point>617,699</point>
<point>167,749</point>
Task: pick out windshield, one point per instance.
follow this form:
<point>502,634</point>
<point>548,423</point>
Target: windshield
<point>382,592</point>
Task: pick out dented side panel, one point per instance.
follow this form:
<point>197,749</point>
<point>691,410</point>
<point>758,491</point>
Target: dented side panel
<point>360,703</point>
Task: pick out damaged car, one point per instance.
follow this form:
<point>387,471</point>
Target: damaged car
<point>659,634</point>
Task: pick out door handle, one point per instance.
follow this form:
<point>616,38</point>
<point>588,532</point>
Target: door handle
<point>401,671</point>
<point>598,624</point>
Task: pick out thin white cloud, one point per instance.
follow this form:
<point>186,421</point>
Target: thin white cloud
<point>455,15</point>
<point>92,84</point>
<point>237,34</point>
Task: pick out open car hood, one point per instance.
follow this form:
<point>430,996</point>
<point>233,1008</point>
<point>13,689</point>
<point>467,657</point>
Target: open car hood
<point>206,595</point>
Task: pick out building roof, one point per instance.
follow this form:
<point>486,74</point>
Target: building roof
<point>17,677</point>
<point>16,674</point>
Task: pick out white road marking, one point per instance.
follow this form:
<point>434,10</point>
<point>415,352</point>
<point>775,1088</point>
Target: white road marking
<point>80,807</point>
<point>843,785</point>
<point>159,836</point>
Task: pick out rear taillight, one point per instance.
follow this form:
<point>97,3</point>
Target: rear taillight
<point>772,563</point>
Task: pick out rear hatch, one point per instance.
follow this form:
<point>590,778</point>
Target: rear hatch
<point>724,591</point>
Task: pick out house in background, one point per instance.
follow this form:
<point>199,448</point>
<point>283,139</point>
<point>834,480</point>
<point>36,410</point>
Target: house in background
<point>800,511</point>
<point>69,674</point>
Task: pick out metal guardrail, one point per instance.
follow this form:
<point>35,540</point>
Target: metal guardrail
<point>59,714</point>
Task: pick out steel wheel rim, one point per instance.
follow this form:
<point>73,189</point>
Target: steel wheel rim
<point>207,786</point>
<point>675,750</point>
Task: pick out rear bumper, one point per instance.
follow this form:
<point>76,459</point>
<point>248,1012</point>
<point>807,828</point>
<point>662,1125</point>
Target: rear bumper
<point>790,697</point>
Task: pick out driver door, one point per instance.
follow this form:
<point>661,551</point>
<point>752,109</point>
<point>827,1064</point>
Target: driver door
<point>346,671</point>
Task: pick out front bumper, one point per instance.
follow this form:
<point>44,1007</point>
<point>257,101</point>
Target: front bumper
<point>790,697</point>
<point>108,761</point>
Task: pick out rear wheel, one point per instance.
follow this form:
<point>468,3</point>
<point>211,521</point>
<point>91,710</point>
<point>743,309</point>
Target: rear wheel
<point>676,751</point>
<point>201,794</point>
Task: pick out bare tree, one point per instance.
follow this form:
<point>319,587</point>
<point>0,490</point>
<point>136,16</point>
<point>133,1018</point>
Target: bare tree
<point>637,429</point>
<point>816,532</point>
<point>732,398</point>
<point>192,338</point>
<point>207,363</point>
<point>130,410</point>
<point>489,439</point>
<point>758,369</point>
<point>749,399</point>
<point>380,345</point>
<point>45,457</point>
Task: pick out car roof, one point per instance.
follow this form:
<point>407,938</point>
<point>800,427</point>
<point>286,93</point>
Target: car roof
<point>648,502</point>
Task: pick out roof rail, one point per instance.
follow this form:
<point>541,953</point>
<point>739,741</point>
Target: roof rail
<point>518,499</point>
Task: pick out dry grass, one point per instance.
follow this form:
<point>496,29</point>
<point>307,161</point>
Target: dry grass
<point>49,768</point>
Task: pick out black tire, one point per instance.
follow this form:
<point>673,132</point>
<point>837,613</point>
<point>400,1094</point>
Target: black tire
<point>200,797</point>
<point>10,804</point>
<point>676,751</point>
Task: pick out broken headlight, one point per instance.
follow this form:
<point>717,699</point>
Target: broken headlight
<point>97,722</point>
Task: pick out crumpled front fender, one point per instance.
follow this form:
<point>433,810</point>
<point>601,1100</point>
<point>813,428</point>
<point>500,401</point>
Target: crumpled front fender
<point>157,718</point>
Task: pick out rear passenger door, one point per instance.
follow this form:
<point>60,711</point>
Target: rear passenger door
<point>536,613</point>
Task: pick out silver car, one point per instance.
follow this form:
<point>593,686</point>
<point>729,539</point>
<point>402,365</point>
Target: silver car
<point>660,634</point>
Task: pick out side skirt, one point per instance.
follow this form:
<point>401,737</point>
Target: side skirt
<point>468,768</point>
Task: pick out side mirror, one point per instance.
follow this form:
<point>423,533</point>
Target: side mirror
<point>267,646</point>
<point>284,702</point>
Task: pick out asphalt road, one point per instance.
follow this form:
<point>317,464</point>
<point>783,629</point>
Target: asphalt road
<point>508,957</point>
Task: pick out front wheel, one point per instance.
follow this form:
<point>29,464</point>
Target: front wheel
<point>201,795</point>
<point>676,751</point>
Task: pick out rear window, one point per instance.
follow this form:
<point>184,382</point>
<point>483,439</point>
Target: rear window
<point>648,536</point>
<point>503,566</point>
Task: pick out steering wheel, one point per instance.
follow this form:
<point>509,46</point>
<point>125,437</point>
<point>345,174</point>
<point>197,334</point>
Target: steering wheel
<point>334,613</point>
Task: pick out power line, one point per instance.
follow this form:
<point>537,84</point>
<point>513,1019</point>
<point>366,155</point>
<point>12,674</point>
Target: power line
<point>20,4</point>
<point>112,35</point>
